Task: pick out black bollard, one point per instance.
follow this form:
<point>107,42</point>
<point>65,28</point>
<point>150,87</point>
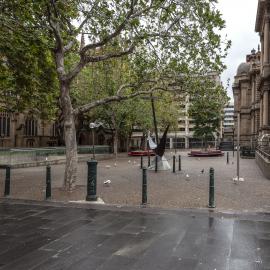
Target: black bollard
<point>7,182</point>
<point>48,182</point>
<point>149,161</point>
<point>179,163</point>
<point>156,163</point>
<point>141,162</point>
<point>92,181</point>
<point>144,186</point>
<point>228,158</point>
<point>211,189</point>
<point>173,164</point>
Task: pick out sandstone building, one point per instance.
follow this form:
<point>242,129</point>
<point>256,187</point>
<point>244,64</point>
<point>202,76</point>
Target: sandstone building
<point>247,98</point>
<point>25,130</point>
<point>251,92</point>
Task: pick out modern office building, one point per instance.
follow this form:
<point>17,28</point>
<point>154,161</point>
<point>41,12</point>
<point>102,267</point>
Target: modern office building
<point>228,122</point>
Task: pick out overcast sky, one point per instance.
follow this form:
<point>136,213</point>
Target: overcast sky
<point>240,16</point>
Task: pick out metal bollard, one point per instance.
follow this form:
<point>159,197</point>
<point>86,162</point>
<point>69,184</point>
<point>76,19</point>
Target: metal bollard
<point>144,186</point>
<point>92,181</point>
<point>179,163</point>
<point>149,161</point>
<point>141,162</point>
<point>228,158</point>
<point>211,189</point>
<point>156,163</point>
<point>48,182</point>
<point>173,164</point>
<point>7,182</point>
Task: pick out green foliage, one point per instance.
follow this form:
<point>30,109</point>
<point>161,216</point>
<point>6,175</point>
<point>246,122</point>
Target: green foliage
<point>101,80</point>
<point>27,71</point>
<point>180,36</point>
<point>208,99</point>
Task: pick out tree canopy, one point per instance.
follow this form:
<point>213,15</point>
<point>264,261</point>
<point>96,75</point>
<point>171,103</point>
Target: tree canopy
<point>27,69</point>
<point>206,107</point>
<point>165,40</point>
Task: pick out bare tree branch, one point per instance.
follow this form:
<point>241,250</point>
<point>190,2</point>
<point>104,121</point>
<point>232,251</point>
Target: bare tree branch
<point>92,59</point>
<point>117,98</point>
<point>112,35</point>
<point>55,29</point>
<point>79,29</point>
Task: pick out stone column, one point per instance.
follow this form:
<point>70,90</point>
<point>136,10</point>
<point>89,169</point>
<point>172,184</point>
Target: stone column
<point>266,40</point>
<point>253,89</point>
<point>262,51</point>
<point>265,108</point>
<point>261,112</point>
<point>252,123</point>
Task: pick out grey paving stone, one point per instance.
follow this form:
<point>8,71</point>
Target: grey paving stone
<point>151,239</point>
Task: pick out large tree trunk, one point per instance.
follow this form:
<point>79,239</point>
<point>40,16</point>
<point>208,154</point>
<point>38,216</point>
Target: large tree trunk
<point>70,138</point>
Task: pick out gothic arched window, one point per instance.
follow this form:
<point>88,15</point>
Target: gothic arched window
<point>30,127</point>
<point>4,124</point>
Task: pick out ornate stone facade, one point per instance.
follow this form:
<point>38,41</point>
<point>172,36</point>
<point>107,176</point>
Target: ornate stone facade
<point>247,98</point>
<point>25,130</point>
<point>263,83</point>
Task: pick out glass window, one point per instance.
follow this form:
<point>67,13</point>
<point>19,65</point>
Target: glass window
<point>4,124</point>
<point>30,127</point>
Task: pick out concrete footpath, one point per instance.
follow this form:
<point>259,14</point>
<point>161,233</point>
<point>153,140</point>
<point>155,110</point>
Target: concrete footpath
<point>49,235</point>
<point>187,188</point>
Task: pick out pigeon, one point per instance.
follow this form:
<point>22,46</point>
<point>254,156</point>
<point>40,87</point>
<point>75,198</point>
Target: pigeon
<point>187,176</point>
<point>129,161</point>
<point>134,162</point>
<point>107,182</point>
<point>108,166</point>
<point>115,165</point>
<point>202,171</point>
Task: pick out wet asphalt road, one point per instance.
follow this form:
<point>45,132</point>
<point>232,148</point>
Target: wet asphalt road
<point>63,236</point>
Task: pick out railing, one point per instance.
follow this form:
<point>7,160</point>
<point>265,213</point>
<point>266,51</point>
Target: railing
<point>264,152</point>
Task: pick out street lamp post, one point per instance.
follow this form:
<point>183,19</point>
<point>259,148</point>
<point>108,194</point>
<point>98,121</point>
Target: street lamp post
<point>238,144</point>
<point>92,127</point>
<point>237,178</point>
<point>152,98</point>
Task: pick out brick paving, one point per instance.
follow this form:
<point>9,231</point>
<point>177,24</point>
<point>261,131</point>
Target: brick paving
<point>165,189</point>
<point>61,236</point>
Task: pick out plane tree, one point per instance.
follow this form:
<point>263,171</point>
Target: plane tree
<point>162,38</point>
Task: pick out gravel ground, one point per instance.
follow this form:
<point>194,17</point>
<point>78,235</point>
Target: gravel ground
<point>165,189</point>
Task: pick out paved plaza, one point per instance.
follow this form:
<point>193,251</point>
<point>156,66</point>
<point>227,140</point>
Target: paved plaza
<point>64,236</point>
<point>185,189</point>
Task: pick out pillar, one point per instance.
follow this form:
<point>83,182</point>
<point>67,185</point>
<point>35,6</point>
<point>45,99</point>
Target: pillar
<point>253,89</point>
<point>266,41</point>
<point>262,51</point>
<point>261,112</point>
<point>252,123</point>
<point>265,108</point>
